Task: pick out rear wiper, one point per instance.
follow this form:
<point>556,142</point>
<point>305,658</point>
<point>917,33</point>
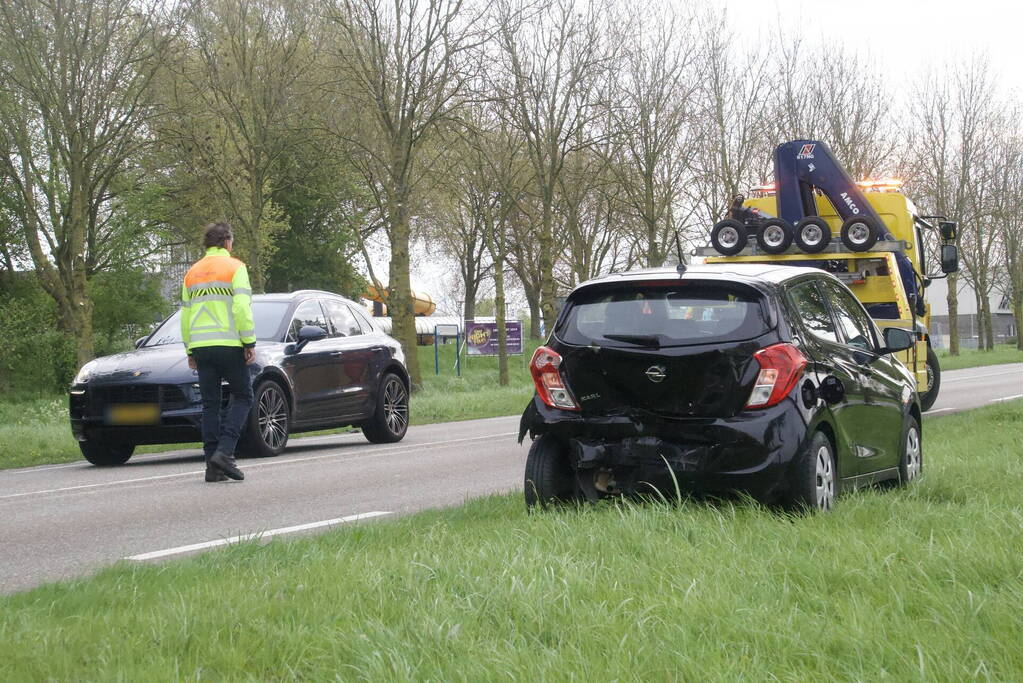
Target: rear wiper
<point>649,340</point>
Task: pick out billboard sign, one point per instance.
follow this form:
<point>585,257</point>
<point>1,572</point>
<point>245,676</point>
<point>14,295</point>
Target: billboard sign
<point>481,338</point>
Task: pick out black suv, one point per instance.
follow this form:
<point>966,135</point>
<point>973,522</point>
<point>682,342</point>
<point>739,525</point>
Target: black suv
<point>767,379</point>
<point>320,363</point>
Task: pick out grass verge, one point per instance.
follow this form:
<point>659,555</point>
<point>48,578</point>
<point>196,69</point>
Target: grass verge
<point>915,584</point>
<point>36,431</point>
<point>973,358</point>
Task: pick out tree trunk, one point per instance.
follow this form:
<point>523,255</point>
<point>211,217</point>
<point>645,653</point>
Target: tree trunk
<point>546,244</point>
<point>469,306</point>
<point>952,298</point>
<point>533,301</point>
<point>502,333</point>
<point>1017,314</point>
<point>399,299</point>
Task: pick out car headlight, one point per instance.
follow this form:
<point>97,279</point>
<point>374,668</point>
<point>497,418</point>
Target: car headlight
<point>85,373</point>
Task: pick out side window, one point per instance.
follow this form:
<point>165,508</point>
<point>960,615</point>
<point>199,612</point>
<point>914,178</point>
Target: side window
<point>308,313</point>
<point>345,324</point>
<point>813,311</point>
<point>854,322</point>
<point>367,327</point>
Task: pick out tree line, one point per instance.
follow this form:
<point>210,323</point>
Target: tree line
<point>537,142</point>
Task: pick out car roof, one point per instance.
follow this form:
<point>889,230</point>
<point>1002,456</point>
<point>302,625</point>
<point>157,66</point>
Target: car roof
<point>299,295</point>
<point>748,273</point>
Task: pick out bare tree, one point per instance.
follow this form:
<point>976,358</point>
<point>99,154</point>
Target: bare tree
<point>651,107</point>
<point>829,93</point>
<point>552,60</point>
<point>951,135</point>
<point>1007,196</point>
<point>733,151</point>
<point>403,67</point>
<point>74,102</point>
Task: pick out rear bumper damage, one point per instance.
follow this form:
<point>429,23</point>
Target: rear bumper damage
<point>640,451</point>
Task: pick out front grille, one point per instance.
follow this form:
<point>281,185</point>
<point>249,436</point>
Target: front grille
<point>167,396</point>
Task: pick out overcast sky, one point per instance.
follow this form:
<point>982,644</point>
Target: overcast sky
<point>904,36</point>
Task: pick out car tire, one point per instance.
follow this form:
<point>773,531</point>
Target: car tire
<point>390,417</point>
<point>106,453</point>
<point>928,397</point>
<point>815,477</point>
<point>549,478</point>
<point>813,234</point>
<point>859,233</point>
<point>728,237</point>
<point>775,235</point>
<point>911,458</point>
<point>268,425</point>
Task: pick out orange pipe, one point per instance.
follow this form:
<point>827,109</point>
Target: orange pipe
<point>422,304</point>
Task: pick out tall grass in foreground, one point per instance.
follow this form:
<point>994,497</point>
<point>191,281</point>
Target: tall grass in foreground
<point>924,583</point>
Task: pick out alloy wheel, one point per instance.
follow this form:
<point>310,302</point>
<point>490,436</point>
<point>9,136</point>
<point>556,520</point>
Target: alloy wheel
<point>774,235</point>
<point>825,479</point>
<point>859,233</point>
<point>913,460</point>
<point>395,406</point>
<point>272,413</point>
<point>728,237</point>
<point>812,235</point>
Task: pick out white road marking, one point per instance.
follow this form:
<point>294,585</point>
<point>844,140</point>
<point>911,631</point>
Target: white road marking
<point>156,554</point>
<point>177,453</point>
<point>989,374</point>
<point>1006,398</point>
<point>374,453</point>
<point>939,410</point>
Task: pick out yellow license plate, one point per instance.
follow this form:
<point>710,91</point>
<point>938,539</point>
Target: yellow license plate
<point>133,414</point>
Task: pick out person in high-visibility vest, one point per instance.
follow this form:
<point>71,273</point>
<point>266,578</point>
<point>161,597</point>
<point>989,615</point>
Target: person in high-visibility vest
<point>220,339</point>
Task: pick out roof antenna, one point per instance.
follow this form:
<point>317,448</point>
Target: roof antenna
<point>681,267</point>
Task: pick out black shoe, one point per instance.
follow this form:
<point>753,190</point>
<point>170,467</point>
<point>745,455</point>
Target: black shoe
<point>213,474</point>
<point>225,463</point>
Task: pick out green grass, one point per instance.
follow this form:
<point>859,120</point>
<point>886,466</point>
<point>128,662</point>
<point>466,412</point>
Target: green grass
<point>916,584</point>
<point>36,431</point>
<point>972,358</point>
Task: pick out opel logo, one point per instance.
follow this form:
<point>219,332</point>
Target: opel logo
<point>656,373</point>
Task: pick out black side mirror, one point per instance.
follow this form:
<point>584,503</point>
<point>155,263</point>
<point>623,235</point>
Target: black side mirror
<point>947,229</point>
<point>308,333</point>
<point>897,339</point>
<point>949,258</point>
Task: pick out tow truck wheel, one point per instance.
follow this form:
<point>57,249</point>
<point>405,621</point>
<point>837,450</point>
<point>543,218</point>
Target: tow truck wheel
<point>775,235</point>
<point>859,233</point>
<point>728,237</point>
<point>813,234</point>
<point>928,397</point>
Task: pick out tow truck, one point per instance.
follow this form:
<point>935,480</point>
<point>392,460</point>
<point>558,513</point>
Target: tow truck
<point>868,234</point>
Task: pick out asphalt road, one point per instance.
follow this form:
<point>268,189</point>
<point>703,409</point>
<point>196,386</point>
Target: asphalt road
<point>69,520</point>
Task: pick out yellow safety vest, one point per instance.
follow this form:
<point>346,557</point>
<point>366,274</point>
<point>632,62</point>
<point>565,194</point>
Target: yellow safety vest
<point>216,303</point>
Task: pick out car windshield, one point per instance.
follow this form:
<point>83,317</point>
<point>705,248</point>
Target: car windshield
<point>653,316</point>
<point>266,314</point>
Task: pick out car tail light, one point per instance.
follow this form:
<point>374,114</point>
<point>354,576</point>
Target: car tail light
<point>780,368</point>
<point>547,378</point>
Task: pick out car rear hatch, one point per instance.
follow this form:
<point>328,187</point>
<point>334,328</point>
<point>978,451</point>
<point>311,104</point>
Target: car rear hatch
<point>679,348</point>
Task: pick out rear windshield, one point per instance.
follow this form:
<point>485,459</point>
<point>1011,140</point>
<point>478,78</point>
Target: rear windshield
<point>674,315</point>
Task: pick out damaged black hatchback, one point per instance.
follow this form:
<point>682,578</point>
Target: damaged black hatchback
<point>767,379</point>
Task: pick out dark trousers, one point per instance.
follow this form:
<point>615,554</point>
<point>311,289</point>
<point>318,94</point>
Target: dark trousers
<point>222,424</point>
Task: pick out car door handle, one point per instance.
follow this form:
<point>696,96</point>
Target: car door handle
<point>335,354</point>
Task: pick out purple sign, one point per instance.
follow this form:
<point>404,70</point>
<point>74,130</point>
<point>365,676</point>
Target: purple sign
<point>481,338</point>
